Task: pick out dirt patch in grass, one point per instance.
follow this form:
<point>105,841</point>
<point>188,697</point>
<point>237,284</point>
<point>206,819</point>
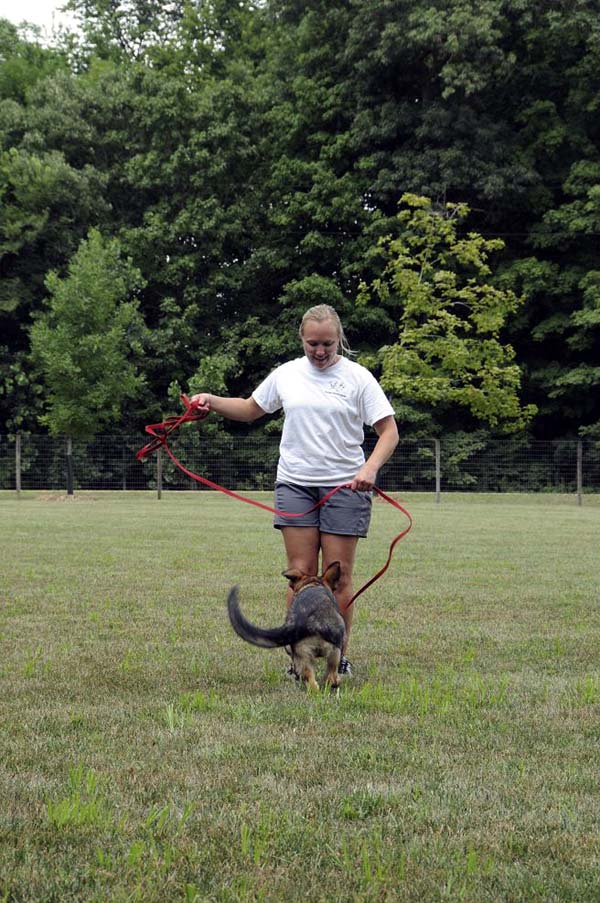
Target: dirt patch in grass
<point>59,497</point>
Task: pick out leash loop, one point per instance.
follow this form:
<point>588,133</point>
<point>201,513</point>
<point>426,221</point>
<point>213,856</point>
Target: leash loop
<point>161,432</point>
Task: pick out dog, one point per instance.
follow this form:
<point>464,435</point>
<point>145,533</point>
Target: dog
<point>313,628</point>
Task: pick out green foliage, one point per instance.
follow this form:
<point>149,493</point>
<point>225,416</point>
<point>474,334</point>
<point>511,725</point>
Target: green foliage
<point>46,206</point>
<point>88,340</point>
<point>14,385</point>
<point>42,199</point>
<point>565,295</point>
<point>449,316</point>
<point>248,156</point>
<point>23,63</point>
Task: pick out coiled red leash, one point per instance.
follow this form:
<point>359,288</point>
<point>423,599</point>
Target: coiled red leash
<point>162,431</point>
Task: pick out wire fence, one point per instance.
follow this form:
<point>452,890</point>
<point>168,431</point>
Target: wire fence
<point>467,463</point>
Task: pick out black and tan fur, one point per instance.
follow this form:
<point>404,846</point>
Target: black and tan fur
<point>313,628</point>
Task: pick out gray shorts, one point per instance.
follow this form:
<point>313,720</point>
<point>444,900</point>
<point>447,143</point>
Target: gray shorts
<point>347,513</point>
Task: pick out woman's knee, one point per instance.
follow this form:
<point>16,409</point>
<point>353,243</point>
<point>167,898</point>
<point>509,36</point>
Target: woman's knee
<point>302,548</point>
<point>344,582</point>
<point>307,564</point>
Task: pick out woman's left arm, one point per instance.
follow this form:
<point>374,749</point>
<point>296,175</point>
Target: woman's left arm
<point>387,431</point>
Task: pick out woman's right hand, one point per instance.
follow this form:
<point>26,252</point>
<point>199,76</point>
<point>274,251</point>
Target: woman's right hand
<point>202,401</point>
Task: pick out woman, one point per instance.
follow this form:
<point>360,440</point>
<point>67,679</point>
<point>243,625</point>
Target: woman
<point>326,399</point>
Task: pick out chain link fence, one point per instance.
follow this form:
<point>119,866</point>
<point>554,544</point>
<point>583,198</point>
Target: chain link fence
<point>249,463</point>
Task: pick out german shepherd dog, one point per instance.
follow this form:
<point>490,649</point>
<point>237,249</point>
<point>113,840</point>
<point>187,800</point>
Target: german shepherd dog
<point>313,628</point>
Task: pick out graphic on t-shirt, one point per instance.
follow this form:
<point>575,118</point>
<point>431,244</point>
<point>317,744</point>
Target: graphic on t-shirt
<point>337,387</point>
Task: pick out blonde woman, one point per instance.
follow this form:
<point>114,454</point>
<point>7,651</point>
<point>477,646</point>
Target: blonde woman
<point>326,399</point>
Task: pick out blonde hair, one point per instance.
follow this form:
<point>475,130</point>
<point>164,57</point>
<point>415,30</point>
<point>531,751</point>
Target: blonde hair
<point>322,312</point>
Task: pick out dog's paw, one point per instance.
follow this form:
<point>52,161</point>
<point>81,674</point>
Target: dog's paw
<point>344,667</point>
<point>292,674</point>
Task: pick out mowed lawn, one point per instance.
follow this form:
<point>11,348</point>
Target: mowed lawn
<point>146,753</point>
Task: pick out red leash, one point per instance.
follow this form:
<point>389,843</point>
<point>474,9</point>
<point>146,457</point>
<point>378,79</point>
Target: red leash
<point>161,432</point>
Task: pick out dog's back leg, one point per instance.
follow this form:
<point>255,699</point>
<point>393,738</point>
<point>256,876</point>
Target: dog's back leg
<point>333,660</point>
<point>308,676</point>
<point>303,662</point>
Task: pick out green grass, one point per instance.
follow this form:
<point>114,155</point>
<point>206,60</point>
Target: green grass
<point>147,754</point>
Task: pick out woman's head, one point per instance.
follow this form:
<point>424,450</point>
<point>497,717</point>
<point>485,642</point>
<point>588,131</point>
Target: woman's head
<point>323,335</point>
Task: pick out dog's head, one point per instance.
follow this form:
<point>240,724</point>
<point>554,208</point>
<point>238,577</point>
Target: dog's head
<point>330,579</point>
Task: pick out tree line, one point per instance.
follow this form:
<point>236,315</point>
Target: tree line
<point>180,181</point>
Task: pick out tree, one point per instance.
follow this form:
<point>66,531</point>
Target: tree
<point>46,210</point>
<point>248,155</point>
<point>495,104</point>
<point>563,283</point>
<point>24,62</point>
<point>449,353</point>
<point>89,340</point>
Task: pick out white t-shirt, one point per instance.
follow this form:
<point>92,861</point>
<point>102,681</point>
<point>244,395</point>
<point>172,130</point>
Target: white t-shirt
<point>325,411</point>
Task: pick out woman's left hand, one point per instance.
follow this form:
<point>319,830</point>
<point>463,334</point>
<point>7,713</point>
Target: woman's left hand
<point>364,479</point>
<point>387,431</point>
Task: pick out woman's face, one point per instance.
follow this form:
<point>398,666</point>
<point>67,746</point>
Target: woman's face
<point>320,341</point>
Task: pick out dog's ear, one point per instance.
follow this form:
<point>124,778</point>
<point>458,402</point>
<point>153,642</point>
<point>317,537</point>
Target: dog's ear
<point>294,576</point>
<point>331,577</point>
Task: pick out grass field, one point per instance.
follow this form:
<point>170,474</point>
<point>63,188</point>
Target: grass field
<point>148,754</point>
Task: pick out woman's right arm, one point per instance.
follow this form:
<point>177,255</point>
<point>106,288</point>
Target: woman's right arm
<point>243,409</point>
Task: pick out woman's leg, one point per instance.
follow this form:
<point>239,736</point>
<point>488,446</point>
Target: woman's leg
<point>302,549</point>
<point>342,549</point>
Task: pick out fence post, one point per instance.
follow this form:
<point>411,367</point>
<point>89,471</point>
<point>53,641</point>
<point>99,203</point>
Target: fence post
<point>579,472</point>
<point>438,470</point>
<point>159,473</point>
<point>69,466</point>
<point>18,463</point>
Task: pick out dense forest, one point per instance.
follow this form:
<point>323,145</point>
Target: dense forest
<point>180,181</point>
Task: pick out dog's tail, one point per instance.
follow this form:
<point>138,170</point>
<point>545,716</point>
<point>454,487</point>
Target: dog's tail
<point>268,638</point>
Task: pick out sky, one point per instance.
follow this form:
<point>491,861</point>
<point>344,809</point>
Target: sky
<point>41,12</point>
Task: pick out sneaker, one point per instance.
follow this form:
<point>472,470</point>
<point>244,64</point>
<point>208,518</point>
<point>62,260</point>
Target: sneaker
<point>345,667</point>
<point>291,673</point>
